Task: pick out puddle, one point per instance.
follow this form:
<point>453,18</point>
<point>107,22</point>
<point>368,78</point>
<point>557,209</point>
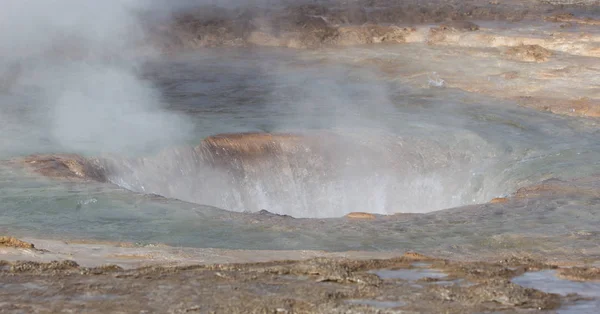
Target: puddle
<point>375,303</point>
<point>547,281</point>
<point>581,307</point>
<point>409,274</point>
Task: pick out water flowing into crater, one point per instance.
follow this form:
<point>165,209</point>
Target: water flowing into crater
<point>318,174</point>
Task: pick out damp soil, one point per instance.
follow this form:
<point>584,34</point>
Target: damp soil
<point>319,285</point>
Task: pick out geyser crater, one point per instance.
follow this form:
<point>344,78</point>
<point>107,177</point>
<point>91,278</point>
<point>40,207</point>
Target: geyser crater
<point>311,174</point>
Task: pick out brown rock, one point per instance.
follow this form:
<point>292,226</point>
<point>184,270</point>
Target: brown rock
<point>359,215</point>
<point>498,200</point>
<point>372,34</point>
<point>528,53</point>
<point>64,166</point>
<point>15,243</point>
<point>438,34</point>
<point>249,144</point>
<point>579,273</point>
<point>415,256</point>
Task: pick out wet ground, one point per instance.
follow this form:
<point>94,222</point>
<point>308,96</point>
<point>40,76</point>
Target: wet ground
<point>408,283</point>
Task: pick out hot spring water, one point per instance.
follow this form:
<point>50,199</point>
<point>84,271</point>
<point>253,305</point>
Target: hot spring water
<point>360,143</point>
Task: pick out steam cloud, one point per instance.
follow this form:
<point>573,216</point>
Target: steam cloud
<point>70,77</point>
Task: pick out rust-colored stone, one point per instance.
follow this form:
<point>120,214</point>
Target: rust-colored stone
<point>499,200</point>
<point>528,53</point>
<point>249,143</point>
<point>360,215</point>
<point>13,242</point>
<point>415,256</point>
<point>64,166</point>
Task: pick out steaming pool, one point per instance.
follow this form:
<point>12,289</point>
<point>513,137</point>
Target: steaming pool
<point>394,148</point>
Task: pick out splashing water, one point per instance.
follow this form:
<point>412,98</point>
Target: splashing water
<point>325,174</point>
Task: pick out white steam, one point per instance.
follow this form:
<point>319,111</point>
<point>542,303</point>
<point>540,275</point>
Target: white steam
<point>76,62</point>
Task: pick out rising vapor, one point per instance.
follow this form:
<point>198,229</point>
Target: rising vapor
<point>71,77</point>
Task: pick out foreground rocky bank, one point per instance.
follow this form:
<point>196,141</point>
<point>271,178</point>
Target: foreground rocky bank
<point>329,283</point>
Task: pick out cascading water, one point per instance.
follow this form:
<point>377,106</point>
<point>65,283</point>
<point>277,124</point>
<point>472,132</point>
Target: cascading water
<point>318,174</point>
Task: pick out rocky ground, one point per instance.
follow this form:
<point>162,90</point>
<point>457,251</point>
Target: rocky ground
<point>330,23</point>
<point>327,284</point>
